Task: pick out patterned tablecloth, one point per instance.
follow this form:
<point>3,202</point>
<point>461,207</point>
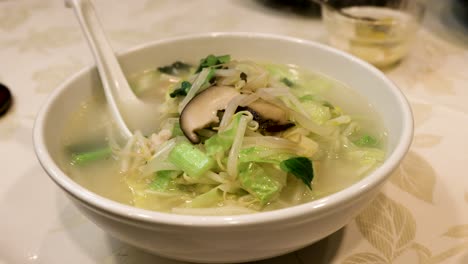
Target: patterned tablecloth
<point>420,217</point>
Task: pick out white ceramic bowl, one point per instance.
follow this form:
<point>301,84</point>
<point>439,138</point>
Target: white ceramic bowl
<point>229,238</point>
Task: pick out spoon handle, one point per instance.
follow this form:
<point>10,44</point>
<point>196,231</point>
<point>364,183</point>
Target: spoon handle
<point>116,87</point>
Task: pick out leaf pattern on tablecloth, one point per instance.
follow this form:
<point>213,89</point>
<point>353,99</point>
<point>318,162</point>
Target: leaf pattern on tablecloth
<point>49,78</point>
<point>449,253</point>
<point>424,254</point>
<point>416,177</point>
<point>458,231</point>
<point>365,258</point>
<point>423,140</point>
<point>388,226</point>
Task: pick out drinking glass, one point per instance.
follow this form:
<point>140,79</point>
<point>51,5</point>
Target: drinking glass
<point>378,31</point>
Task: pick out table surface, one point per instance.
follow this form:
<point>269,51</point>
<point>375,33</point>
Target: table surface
<point>421,216</point>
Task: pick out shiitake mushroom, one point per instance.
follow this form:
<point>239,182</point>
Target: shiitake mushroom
<point>202,111</point>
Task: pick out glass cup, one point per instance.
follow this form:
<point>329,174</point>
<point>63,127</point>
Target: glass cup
<point>378,31</point>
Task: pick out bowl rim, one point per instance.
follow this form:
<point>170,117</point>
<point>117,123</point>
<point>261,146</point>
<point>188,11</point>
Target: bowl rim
<point>319,206</point>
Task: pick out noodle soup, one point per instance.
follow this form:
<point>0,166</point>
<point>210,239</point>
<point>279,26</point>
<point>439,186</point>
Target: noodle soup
<point>235,137</point>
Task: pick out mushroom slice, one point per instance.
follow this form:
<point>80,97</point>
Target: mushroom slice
<point>270,117</point>
<point>203,109</point>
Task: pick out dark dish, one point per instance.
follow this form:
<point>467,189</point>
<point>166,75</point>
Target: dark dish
<point>5,99</point>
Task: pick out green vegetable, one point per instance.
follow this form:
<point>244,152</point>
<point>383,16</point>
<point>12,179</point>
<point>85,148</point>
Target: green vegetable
<point>175,68</point>
<point>263,155</point>
<point>254,179</point>
<point>288,82</point>
<point>190,159</point>
<point>307,97</point>
<point>89,156</point>
<point>163,180</point>
<point>366,141</point>
<point>210,79</point>
<point>212,60</point>
<point>182,90</point>
<point>301,167</point>
<point>222,141</point>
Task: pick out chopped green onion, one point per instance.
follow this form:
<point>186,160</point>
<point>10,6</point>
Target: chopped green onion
<point>210,79</point>
<point>182,90</point>
<point>212,60</point>
<point>307,97</point>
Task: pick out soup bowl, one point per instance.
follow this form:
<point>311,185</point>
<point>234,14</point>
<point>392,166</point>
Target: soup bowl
<point>236,238</point>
